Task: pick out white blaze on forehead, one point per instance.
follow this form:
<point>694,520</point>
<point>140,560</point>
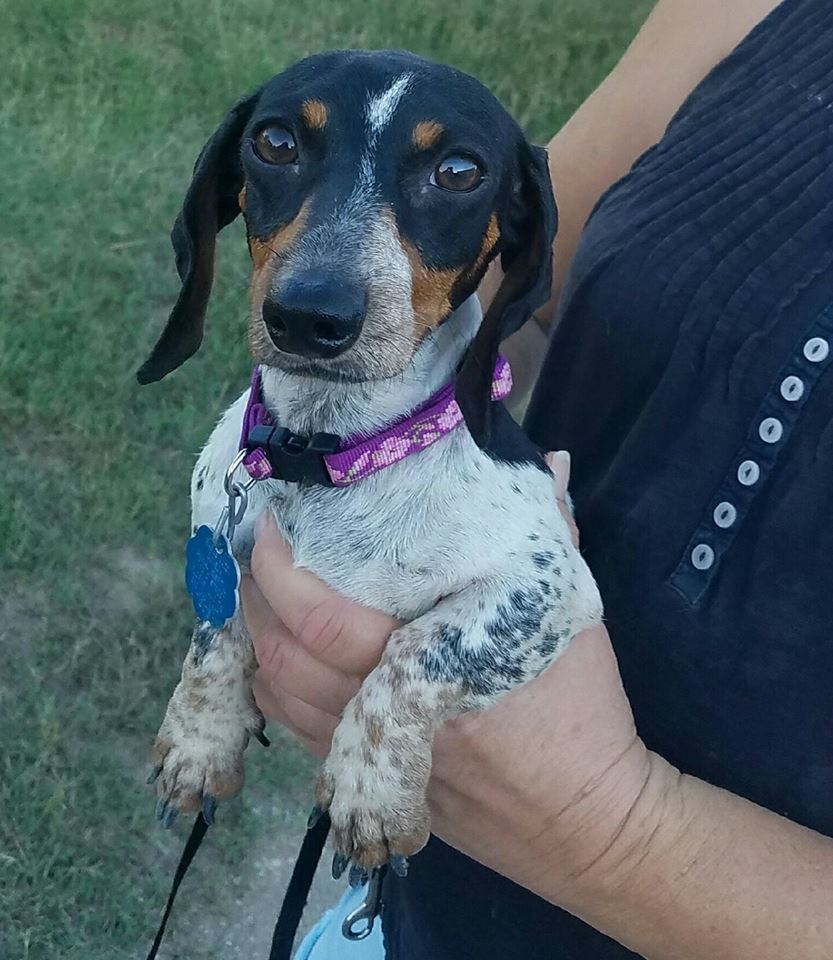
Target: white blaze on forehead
<point>378,112</point>
<point>382,106</point>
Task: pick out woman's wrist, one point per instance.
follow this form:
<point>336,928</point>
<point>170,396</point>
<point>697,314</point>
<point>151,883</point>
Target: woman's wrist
<point>636,813</point>
<point>695,872</point>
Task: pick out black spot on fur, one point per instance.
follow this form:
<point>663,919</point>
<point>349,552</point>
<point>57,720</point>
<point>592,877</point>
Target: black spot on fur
<point>533,537</point>
<point>546,588</point>
<point>550,642</point>
<point>202,639</point>
<point>483,671</point>
<point>518,619</point>
<point>543,559</point>
<point>503,661</point>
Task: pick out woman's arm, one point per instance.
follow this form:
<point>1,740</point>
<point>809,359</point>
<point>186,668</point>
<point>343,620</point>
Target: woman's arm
<point>678,45</point>
<point>554,788</point>
<point>586,817</point>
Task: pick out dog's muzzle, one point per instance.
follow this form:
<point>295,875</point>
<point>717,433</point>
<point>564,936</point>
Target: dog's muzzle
<point>315,316</point>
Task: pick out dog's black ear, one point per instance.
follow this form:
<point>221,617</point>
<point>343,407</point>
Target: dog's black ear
<point>527,262</point>
<point>210,204</point>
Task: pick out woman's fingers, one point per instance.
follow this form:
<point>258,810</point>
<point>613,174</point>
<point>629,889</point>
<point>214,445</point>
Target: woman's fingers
<point>286,666</point>
<point>334,630</point>
<point>318,684</point>
<point>266,630</point>
<point>313,727</point>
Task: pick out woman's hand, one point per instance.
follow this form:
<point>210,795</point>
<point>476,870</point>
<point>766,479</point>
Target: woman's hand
<point>553,788</point>
<point>314,646</point>
<point>560,754</point>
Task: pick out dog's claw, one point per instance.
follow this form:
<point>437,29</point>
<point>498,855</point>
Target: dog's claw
<point>161,808</point>
<point>339,865</point>
<point>153,776</point>
<point>358,876</point>
<point>315,815</point>
<point>170,816</point>
<point>209,808</point>
<point>399,865</point>
<point>261,738</point>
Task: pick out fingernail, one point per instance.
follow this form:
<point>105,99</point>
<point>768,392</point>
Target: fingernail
<point>559,463</point>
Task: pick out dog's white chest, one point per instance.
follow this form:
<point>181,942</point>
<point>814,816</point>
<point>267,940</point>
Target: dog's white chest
<point>402,538</point>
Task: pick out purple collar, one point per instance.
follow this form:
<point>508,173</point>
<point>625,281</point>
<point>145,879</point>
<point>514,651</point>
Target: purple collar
<point>324,458</point>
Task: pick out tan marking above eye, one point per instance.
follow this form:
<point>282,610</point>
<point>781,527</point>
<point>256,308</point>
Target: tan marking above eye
<point>314,113</point>
<point>427,133</point>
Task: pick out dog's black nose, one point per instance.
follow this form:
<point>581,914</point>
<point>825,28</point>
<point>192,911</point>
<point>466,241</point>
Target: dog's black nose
<point>315,316</point>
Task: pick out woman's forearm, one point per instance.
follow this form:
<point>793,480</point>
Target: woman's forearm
<point>697,873</point>
<point>678,45</point>
<point>554,789</point>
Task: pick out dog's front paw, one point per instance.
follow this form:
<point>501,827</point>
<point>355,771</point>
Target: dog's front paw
<point>375,796</point>
<point>198,758</point>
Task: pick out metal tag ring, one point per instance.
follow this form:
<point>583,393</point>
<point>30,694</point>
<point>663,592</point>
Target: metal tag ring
<point>232,469</point>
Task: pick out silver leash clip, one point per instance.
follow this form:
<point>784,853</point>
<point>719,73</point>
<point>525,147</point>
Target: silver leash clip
<point>367,911</point>
<point>232,513</point>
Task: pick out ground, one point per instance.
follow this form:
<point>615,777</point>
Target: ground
<point>104,106</point>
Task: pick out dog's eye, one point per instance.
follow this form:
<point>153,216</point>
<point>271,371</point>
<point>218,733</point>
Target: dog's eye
<point>276,145</point>
<point>457,173</point>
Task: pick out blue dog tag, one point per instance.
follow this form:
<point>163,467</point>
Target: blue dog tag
<point>212,577</point>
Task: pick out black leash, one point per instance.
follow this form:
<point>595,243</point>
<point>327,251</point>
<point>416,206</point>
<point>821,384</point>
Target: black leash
<point>294,900</point>
<point>297,892</point>
<point>198,832</point>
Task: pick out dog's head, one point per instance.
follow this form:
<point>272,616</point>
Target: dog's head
<point>376,188</point>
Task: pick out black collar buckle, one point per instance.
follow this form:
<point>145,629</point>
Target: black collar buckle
<point>293,457</point>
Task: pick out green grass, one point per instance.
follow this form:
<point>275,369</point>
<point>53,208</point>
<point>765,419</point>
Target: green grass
<point>103,107</point>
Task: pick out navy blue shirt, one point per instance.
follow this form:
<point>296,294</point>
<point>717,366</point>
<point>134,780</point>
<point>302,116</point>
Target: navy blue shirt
<point>691,376</point>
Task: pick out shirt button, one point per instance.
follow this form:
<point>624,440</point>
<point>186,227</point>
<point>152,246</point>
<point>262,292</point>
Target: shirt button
<point>771,430</point>
<point>792,388</point>
<point>702,556</point>
<point>816,349</point>
<point>748,473</point>
<point>725,514</point>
